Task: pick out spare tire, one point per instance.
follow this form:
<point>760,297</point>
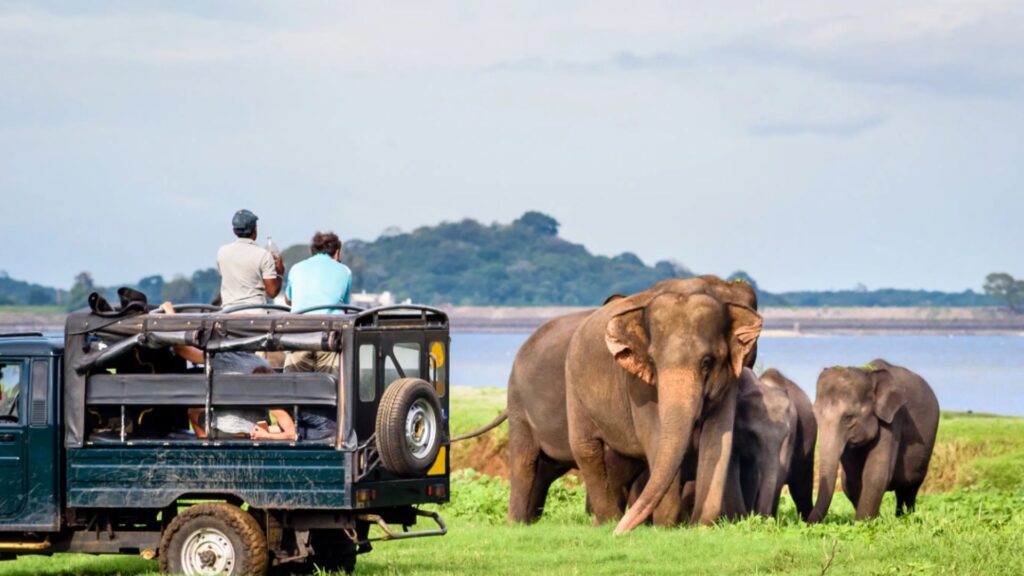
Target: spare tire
<point>409,427</point>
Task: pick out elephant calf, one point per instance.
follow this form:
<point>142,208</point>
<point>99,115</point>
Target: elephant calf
<point>800,479</point>
<point>773,443</point>
<point>879,421</point>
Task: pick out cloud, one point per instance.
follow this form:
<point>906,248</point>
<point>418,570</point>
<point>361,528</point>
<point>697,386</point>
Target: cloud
<point>843,128</point>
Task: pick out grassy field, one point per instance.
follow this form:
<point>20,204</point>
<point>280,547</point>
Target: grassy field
<point>970,521</point>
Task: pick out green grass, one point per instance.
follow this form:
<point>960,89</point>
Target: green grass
<point>474,407</point>
<point>972,522</point>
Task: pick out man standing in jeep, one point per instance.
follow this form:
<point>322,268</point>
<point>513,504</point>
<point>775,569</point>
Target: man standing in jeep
<point>250,274</point>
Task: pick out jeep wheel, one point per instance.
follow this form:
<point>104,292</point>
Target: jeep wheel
<point>408,427</point>
<point>214,538</point>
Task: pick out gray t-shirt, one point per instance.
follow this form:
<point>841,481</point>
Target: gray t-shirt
<point>243,266</point>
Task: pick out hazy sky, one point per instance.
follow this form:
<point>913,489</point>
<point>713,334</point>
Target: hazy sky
<point>813,144</point>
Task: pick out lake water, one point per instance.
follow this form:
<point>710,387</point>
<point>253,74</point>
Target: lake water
<point>979,373</point>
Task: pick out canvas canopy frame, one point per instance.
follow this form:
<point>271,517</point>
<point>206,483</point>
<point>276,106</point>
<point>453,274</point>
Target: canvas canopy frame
<point>94,341</point>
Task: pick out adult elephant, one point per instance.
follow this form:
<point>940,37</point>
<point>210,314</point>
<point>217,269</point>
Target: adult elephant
<point>641,372</point>
<point>539,450</point>
<point>880,422</point>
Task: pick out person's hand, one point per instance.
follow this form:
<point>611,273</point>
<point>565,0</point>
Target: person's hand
<point>279,263</point>
<point>258,433</point>
<point>167,307</point>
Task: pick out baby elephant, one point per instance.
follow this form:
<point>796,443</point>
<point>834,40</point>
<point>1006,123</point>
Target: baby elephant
<point>774,442</point>
<point>880,422</point>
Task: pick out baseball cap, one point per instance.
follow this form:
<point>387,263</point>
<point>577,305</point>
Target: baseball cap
<point>243,221</point>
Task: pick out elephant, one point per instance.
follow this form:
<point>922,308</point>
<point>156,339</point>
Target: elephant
<point>640,373</point>
<point>763,443</point>
<point>800,479</point>
<point>880,422</point>
<point>539,450</point>
<point>765,431</point>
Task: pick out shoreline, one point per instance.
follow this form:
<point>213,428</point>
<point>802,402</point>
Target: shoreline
<point>778,322</point>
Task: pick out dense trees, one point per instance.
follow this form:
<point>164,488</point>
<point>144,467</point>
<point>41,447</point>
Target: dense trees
<point>1006,290</point>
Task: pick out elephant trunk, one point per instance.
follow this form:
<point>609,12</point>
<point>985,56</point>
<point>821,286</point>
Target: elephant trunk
<point>828,469</point>
<point>679,405</point>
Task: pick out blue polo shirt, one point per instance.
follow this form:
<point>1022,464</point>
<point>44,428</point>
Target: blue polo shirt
<point>318,281</point>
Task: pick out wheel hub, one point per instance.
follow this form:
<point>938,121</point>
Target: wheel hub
<point>420,429</point>
<point>208,551</point>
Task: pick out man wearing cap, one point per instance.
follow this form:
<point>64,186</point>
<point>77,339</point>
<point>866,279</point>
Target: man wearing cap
<point>249,274</point>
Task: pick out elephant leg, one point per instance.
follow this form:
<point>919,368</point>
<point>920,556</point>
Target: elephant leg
<point>623,472</point>
<point>852,472</point>
<point>734,503</point>
<point>801,488</point>
<point>876,476</point>
<point>669,510</point>
<point>906,497</point>
<point>689,492</point>
<point>547,471</point>
<point>589,454</point>
<point>524,453</point>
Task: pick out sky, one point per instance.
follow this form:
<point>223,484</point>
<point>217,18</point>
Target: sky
<point>813,144</point>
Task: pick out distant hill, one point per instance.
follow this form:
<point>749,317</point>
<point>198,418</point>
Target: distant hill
<point>524,263</point>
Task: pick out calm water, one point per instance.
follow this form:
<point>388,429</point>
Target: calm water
<point>980,373</point>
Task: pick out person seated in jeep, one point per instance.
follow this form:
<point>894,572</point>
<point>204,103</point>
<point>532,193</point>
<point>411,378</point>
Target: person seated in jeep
<point>314,424</point>
<point>223,362</point>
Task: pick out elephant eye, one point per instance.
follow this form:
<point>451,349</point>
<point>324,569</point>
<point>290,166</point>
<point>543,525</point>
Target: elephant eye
<point>706,363</point>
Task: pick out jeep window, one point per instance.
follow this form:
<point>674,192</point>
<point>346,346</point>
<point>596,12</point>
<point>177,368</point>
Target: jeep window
<point>12,377</point>
<point>439,367</point>
<point>367,374</point>
<point>402,362</point>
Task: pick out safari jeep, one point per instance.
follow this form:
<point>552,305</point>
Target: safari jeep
<point>97,453</point>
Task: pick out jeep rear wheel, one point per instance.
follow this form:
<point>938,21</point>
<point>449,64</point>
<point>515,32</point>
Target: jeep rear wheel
<point>214,538</point>
<point>409,427</point>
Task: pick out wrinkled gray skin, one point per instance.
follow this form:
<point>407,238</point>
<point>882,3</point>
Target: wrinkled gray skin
<point>765,435</point>
<point>539,450</point>
<point>801,467</point>
<point>641,372</point>
<point>880,423</point>
<point>756,432</point>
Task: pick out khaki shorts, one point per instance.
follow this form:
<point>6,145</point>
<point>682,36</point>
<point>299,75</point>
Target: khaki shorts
<point>309,361</point>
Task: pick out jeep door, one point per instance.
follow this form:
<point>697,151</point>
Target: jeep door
<point>13,380</point>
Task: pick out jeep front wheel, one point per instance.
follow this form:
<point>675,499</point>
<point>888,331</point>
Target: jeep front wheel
<point>214,538</point>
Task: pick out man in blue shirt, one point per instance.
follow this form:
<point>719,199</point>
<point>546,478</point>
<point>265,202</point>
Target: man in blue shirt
<point>320,280</point>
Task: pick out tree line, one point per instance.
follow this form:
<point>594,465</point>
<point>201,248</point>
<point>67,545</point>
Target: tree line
<point>522,263</point>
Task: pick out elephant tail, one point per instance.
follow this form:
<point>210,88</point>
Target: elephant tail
<point>490,426</point>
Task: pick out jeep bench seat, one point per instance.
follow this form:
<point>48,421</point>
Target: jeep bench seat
<point>286,389</point>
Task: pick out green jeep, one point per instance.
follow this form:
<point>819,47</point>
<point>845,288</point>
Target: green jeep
<point>97,454</point>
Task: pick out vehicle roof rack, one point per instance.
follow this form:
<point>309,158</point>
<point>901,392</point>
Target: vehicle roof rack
<point>21,334</point>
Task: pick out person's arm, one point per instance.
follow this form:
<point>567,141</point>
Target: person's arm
<point>284,421</point>
<point>190,353</point>
<point>272,269</point>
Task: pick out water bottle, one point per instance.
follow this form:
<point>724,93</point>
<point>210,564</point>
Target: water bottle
<point>272,247</point>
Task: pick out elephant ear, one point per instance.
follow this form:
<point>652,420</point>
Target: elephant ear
<point>612,298</point>
<point>888,398</point>
<point>743,334</point>
<point>627,340</point>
